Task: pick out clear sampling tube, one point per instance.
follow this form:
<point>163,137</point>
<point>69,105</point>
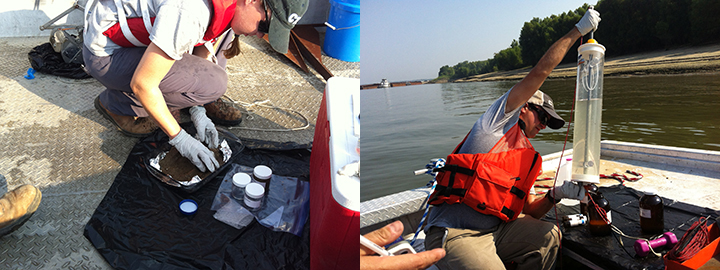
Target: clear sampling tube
<point>588,113</point>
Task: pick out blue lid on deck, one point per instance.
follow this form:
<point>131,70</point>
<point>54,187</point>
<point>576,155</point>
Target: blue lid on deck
<point>188,207</point>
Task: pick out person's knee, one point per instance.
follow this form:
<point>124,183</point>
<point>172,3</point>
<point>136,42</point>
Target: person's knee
<point>214,86</point>
<point>553,236</point>
<point>220,86</point>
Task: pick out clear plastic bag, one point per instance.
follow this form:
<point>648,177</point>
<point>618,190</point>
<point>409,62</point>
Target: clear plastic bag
<point>285,208</point>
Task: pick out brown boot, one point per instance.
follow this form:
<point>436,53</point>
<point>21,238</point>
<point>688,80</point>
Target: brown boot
<point>223,113</point>
<point>128,125</point>
<point>17,206</point>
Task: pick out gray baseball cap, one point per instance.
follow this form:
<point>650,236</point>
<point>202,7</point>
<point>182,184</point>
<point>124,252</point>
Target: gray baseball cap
<point>543,100</point>
<point>285,14</point>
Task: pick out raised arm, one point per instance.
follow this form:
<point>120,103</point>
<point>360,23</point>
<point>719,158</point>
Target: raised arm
<point>523,90</point>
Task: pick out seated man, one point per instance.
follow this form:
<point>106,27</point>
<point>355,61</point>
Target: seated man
<point>483,235</point>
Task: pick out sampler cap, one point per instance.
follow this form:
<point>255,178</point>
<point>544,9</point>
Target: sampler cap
<point>543,100</point>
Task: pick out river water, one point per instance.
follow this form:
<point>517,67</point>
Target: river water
<point>404,127</point>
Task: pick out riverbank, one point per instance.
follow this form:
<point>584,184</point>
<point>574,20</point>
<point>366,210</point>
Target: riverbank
<point>700,59</point>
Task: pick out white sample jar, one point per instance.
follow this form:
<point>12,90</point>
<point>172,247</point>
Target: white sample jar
<point>254,193</point>
<point>262,175</point>
<point>240,181</point>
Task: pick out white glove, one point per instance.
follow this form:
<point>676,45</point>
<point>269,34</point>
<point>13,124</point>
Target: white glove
<point>206,131</point>
<point>195,151</point>
<point>589,22</point>
<point>567,190</point>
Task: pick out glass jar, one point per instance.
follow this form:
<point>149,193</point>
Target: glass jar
<point>240,181</point>
<point>596,224</point>
<point>254,194</point>
<point>652,219</point>
<point>262,175</point>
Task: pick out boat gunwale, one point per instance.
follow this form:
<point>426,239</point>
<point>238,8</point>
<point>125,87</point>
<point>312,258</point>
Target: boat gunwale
<point>390,207</point>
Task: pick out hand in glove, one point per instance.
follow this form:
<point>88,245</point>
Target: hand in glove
<point>195,151</point>
<point>589,22</point>
<point>567,190</point>
<point>206,131</point>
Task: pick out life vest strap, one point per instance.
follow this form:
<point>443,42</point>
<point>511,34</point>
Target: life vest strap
<point>447,191</point>
<point>456,168</point>
<point>507,212</point>
<point>519,193</point>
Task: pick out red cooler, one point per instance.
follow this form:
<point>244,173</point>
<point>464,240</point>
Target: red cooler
<point>334,181</point>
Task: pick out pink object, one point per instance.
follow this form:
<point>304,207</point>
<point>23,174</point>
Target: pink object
<point>642,249</point>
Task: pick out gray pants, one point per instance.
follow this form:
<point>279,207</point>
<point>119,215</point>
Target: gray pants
<point>531,243</point>
<point>191,81</point>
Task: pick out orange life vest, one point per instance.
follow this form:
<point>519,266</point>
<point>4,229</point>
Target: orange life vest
<point>496,183</point>
<point>223,12</point>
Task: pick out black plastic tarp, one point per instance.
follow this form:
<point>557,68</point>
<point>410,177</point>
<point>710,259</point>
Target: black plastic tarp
<point>606,251</point>
<point>138,224</point>
<point>44,59</point>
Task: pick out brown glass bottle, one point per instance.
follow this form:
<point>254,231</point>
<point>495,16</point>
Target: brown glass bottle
<point>596,225</point>
<point>591,189</point>
<point>652,220</point>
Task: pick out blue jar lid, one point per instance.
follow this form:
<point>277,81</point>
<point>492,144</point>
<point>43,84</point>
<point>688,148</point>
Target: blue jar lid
<point>188,207</point>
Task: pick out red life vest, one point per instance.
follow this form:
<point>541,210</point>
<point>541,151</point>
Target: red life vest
<point>496,183</point>
<point>222,15</point>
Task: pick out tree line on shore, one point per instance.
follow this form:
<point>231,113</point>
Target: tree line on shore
<point>628,26</point>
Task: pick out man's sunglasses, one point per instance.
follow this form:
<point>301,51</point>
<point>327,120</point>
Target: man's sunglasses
<point>542,115</point>
<point>264,25</point>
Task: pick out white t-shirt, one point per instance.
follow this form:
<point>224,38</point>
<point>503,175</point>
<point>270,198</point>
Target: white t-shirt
<point>179,24</point>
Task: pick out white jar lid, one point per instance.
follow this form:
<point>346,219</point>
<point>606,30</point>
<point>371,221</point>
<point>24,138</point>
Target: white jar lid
<point>241,180</point>
<point>254,190</point>
<point>262,172</point>
<point>188,207</point>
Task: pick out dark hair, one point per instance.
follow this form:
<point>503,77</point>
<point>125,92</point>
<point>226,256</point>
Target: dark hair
<point>234,49</point>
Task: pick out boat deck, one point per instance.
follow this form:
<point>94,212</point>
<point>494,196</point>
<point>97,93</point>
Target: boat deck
<point>51,136</point>
<point>686,175</point>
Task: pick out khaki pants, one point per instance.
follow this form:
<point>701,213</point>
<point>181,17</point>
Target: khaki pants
<point>526,241</point>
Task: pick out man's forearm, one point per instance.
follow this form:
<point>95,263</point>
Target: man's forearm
<point>524,89</point>
<point>537,206</point>
<point>555,54</point>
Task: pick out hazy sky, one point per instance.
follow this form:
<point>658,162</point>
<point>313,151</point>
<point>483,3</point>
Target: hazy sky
<point>411,39</point>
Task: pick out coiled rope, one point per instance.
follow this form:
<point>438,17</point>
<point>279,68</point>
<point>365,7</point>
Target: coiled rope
<point>695,239</point>
<point>249,108</point>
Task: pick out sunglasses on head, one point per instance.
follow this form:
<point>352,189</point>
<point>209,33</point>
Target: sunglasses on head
<point>542,115</point>
<point>264,25</point>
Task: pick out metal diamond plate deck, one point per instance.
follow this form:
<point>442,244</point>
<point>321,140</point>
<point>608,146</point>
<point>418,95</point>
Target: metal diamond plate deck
<point>52,137</point>
<point>392,206</point>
